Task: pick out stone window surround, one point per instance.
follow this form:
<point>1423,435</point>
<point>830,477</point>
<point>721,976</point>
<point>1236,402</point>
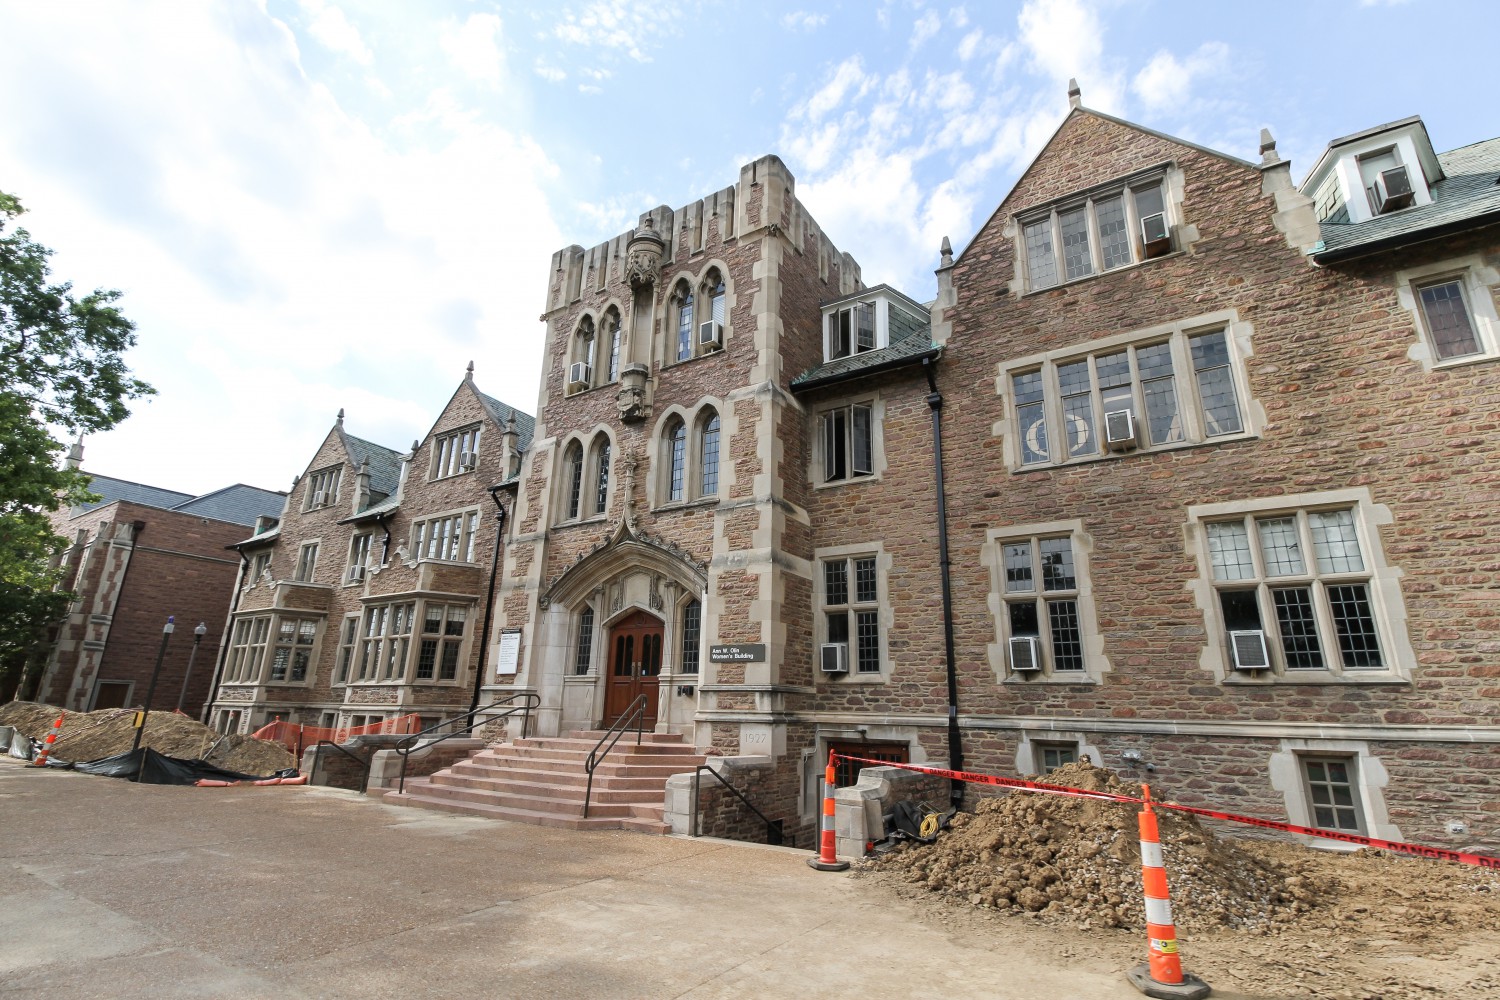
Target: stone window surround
<point>583,345</point>
<point>886,619</point>
<point>1286,776</point>
<point>668,319</point>
<point>298,575</point>
<point>588,444</point>
<point>1238,337</point>
<point>599,321</point>
<point>446,456</point>
<point>878,464</point>
<point>331,475</point>
<point>1480,280</point>
<point>417,554</point>
<point>354,539</point>
<point>465,641</point>
<point>1095,663</point>
<point>815,758</point>
<point>314,651</point>
<point>1028,755</point>
<point>1384,584</point>
<point>352,646</point>
<point>660,463</point>
<point>1173,184</point>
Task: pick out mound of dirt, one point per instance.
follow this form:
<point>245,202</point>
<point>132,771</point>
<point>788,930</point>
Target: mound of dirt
<point>1077,860</point>
<point>91,735</point>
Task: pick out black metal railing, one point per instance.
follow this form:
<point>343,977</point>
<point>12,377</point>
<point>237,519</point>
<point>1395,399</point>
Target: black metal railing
<point>528,701</point>
<point>775,831</point>
<point>635,713</point>
<point>364,765</point>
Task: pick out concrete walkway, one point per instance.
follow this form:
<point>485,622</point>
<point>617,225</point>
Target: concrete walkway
<point>109,889</point>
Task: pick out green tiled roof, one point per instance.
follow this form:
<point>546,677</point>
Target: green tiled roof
<point>499,412</point>
<point>1468,196</point>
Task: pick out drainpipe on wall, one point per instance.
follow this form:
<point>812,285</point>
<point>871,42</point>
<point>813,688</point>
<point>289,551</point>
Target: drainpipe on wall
<point>489,600</point>
<point>234,605</point>
<point>955,740</point>
<point>385,546</point>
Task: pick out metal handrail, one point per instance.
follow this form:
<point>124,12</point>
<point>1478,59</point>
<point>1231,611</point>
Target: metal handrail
<point>529,700</point>
<point>636,712</point>
<point>317,758</point>
<point>775,830</point>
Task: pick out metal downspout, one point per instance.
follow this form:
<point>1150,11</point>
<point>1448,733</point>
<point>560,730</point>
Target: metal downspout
<point>489,600</point>
<point>955,739</point>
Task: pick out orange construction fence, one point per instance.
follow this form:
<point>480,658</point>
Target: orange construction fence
<point>295,736</point>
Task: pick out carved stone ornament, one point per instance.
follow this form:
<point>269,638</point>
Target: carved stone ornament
<point>643,256</point>
<point>632,397</point>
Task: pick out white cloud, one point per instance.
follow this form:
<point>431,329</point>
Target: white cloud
<point>847,77</point>
<point>550,73</point>
<point>926,26</point>
<point>802,20</point>
<point>1165,82</point>
<point>329,26</point>
<point>474,47</point>
<point>1065,40</point>
<point>625,26</point>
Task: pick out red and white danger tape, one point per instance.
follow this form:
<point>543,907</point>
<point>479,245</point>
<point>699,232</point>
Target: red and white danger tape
<point>1394,846</point>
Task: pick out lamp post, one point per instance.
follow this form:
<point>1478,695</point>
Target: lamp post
<point>166,633</point>
<point>198,634</point>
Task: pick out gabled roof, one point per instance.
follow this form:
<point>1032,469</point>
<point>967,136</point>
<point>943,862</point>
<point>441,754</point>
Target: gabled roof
<point>500,412</point>
<point>237,504</point>
<point>385,463</point>
<point>111,489</point>
<point>1467,197</point>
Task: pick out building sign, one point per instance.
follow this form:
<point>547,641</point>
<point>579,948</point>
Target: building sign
<point>510,651</point>
<point>745,652</point>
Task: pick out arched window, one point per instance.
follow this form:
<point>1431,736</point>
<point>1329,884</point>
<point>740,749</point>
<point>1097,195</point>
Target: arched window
<point>581,370</point>
<point>583,654</point>
<point>715,286</point>
<point>601,475</point>
<point>614,337</point>
<point>573,461</point>
<point>708,456</point>
<point>684,301</point>
<point>676,459</point>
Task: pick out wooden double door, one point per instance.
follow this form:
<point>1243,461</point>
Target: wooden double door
<point>634,663</point>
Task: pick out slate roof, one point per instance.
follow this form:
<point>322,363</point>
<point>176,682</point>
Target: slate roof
<point>910,341</point>
<point>385,464</point>
<point>1467,197</point>
<point>237,504</point>
<point>499,412</point>
<point>265,536</point>
<point>385,506</point>
<point>111,489</point>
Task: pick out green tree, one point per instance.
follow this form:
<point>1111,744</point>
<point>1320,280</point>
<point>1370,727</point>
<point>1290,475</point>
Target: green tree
<point>60,368</point>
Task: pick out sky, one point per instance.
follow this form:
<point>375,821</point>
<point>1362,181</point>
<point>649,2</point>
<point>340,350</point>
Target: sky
<point>315,205</point>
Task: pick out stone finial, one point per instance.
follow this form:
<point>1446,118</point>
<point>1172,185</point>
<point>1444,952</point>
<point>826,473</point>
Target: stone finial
<point>947,253</point>
<point>341,416</point>
<point>75,454</point>
<point>1075,96</point>
<point>469,372</point>
<point>415,444</point>
<point>1268,154</point>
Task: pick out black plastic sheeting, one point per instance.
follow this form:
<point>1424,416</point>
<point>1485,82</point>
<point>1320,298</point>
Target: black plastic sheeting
<point>149,767</point>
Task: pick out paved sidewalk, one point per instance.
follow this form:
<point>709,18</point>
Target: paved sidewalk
<point>110,889</point>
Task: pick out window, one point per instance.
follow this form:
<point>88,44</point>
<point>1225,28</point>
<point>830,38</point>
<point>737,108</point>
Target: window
<point>348,634</point>
<point>851,610</point>
<point>455,452</point>
<point>846,772</point>
<point>581,370</point>
<point>1293,592</point>
<point>448,538</point>
<point>260,566</point>
<point>692,629</point>
<point>384,641</point>
<point>583,654</point>
<point>1100,233</point>
<point>1041,607</point>
<point>307,562</point>
<point>1371,166</point>
<point>696,331</point>
<point>1178,390</point>
<point>684,308</point>
<point>247,649</point>
<point>322,489</point>
<point>601,475</point>
<point>848,442</point>
<point>1445,312</point>
<point>1332,793</point>
<point>1051,756</point>
<point>442,641</point>
<point>294,649</point>
<point>850,330</point>
<point>1453,309</point>
<point>615,336</point>
<point>676,459</point>
<point>359,557</point>
<point>708,456</point>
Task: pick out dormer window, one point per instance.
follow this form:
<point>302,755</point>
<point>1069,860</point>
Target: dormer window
<point>1104,231</point>
<point>1387,183</point>
<point>851,330</point>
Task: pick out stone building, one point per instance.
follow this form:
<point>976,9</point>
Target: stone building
<point>363,601</point>
<point>138,555</point>
<point>1216,454</point>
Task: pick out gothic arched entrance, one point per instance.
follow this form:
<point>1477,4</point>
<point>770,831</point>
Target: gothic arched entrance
<point>634,663</point>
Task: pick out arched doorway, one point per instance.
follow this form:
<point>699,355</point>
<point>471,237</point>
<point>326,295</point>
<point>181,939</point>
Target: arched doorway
<point>634,663</point>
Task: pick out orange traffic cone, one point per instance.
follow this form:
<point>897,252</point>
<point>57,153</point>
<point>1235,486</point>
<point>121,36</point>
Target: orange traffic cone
<point>1161,976</point>
<point>827,859</point>
<point>46,751</point>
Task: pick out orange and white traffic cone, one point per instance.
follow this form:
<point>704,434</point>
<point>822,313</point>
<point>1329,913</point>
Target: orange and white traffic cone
<point>827,859</point>
<point>1161,976</point>
<point>46,751</point>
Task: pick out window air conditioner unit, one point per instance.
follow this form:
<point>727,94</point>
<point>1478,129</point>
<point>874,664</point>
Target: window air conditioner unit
<point>1119,430</point>
<point>579,373</point>
<point>1025,654</point>
<point>320,498</point>
<point>1249,648</point>
<point>1156,238</point>
<point>356,574</point>
<point>710,335</point>
<point>1393,190</point>
<point>835,657</point>
<point>466,459</point>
